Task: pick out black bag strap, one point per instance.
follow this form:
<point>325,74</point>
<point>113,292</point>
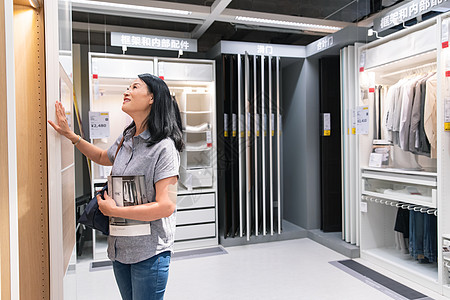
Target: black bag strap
<point>118,148</point>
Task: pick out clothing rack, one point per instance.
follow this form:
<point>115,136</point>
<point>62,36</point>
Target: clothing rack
<point>432,64</point>
<point>408,206</point>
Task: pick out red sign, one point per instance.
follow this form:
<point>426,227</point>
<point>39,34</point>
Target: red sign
<point>445,45</point>
<point>447,74</point>
<point>361,69</point>
<point>371,90</point>
<point>95,76</point>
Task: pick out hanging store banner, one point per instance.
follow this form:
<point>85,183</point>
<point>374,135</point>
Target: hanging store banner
<point>406,12</point>
<point>152,42</point>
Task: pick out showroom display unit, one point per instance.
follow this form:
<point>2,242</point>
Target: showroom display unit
<point>192,83</point>
<point>413,180</point>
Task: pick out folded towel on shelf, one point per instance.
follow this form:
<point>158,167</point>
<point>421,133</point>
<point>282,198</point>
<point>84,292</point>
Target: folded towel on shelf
<point>198,128</point>
<point>193,146</point>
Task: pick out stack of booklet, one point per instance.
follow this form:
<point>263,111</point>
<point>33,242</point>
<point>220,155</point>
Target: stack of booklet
<point>128,191</point>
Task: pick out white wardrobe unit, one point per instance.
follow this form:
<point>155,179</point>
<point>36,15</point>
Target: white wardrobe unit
<point>192,83</point>
<point>415,183</point>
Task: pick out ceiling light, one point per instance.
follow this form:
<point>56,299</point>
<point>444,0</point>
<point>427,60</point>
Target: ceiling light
<point>286,23</point>
<point>138,8</point>
<point>34,3</point>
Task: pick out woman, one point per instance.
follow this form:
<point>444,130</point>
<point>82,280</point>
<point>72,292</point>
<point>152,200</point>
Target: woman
<point>149,146</point>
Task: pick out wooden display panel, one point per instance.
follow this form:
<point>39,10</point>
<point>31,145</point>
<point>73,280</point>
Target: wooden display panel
<point>5,279</point>
<point>31,152</point>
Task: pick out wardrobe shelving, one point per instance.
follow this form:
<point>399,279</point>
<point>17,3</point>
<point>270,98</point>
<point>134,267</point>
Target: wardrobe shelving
<point>192,84</point>
<point>414,183</point>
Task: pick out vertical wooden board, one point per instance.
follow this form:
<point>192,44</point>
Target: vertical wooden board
<point>31,152</point>
<point>68,213</point>
<point>5,279</point>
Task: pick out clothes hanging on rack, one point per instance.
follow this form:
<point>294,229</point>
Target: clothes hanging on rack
<point>423,236</point>
<point>402,230</point>
<point>430,115</point>
<point>411,117</point>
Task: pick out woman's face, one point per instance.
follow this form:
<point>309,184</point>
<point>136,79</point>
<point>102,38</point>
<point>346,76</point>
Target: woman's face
<point>137,99</point>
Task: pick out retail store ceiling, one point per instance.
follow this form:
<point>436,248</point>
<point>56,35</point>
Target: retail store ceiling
<point>291,22</point>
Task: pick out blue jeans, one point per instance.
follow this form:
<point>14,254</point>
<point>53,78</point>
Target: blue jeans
<point>145,280</point>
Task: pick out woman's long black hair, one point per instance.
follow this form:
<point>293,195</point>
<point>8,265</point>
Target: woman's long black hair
<point>164,119</point>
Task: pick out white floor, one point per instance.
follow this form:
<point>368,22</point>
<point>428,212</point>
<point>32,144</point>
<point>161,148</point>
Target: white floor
<point>295,269</point>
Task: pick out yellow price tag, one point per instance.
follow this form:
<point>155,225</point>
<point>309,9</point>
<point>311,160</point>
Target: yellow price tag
<point>248,133</point>
<point>273,132</point>
<point>327,132</point>
<point>447,126</point>
<point>257,133</point>
<point>225,133</point>
<point>242,134</point>
<point>353,130</point>
<point>234,133</point>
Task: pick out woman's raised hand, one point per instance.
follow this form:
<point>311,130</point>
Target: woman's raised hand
<point>62,126</point>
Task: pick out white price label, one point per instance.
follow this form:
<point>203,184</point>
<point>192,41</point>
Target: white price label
<point>208,139</point>
<point>161,69</point>
<point>363,207</point>
<point>362,120</point>
<point>362,61</point>
<point>98,125</point>
<point>69,118</point>
<point>326,121</point>
<point>272,124</point>
<point>225,124</point>
<point>242,125</point>
<point>234,125</point>
<point>249,125</point>
<point>257,124</point>
<point>444,37</point>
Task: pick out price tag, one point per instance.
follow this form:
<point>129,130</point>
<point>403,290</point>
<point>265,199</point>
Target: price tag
<point>280,125</point>
<point>362,61</point>
<point>161,69</point>
<point>258,121</point>
<point>371,90</point>
<point>249,125</point>
<point>363,206</point>
<point>225,125</point>
<point>265,125</point>
<point>242,127</point>
<point>98,125</point>
<point>208,139</point>
<point>362,120</point>
<point>444,36</point>
<point>447,114</point>
<point>353,121</point>
<point>69,118</point>
<point>326,124</point>
<point>272,124</point>
<point>234,125</point>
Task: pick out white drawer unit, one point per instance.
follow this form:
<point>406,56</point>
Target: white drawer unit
<point>190,232</point>
<point>192,201</point>
<point>196,216</point>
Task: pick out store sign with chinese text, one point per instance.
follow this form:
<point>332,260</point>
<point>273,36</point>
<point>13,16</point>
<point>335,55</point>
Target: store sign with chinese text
<point>404,13</point>
<point>152,42</point>
<point>324,43</point>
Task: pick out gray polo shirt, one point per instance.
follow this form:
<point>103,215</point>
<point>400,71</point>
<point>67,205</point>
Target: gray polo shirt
<point>157,162</point>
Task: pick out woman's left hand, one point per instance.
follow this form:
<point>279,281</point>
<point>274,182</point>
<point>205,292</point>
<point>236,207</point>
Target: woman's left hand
<point>106,206</point>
